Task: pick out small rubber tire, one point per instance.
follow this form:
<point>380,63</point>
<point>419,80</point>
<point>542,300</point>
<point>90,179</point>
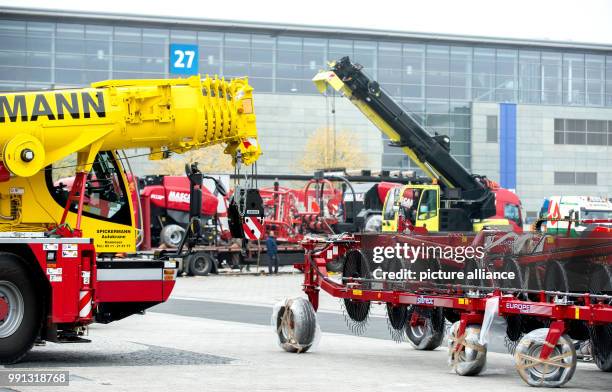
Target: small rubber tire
<point>535,375</point>
<point>373,224</point>
<point>17,285</point>
<point>200,264</point>
<point>296,325</point>
<point>429,336</point>
<point>601,346</point>
<point>471,358</point>
<point>172,235</point>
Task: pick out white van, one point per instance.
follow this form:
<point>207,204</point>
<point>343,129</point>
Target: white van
<point>576,207</point>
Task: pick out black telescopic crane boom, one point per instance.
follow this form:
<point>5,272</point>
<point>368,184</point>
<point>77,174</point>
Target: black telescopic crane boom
<point>432,153</point>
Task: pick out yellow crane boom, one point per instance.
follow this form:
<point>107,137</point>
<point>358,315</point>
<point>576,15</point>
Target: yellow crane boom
<point>40,128</point>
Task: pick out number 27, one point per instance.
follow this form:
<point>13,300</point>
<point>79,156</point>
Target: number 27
<point>179,63</point>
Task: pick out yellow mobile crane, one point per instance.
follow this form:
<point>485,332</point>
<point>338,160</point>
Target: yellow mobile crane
<point>51,283</point>
<point>452,199</point>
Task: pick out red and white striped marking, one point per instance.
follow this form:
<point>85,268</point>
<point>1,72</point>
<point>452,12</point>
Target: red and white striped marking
<point>253,228</point>
<point>85,304</point>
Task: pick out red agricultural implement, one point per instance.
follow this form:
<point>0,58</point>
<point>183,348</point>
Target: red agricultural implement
<point>551,290</point>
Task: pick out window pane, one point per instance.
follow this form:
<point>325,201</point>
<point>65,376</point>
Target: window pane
<point>529,77</point>
<point>492,129</point>
<point>437,65</point>
<point>70,38</point>
<point>608,80</point>
<point>183,37</point>
<point>460,73</point>
<point>97,52</point>
<point>289,64</point>
<point>127,42</point>
<point>506,75</point>
<point>236,55</point>
<point>12,35</point>
<point>594,72</point>
<point>565,178</point>
<point>390,67</point>
<point>586,178</point>
<point>551,75</point>
<point>313,58</point>
<point>414,72</point>
<point>155,44</point>
<point>573,79</point>
<point>40,37</point>
<point>364,53</point>
<point>339,48</point>
<point>483,78</point>
<point>209,50</point>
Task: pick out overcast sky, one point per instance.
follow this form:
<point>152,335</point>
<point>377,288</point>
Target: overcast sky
<point>560,20</point>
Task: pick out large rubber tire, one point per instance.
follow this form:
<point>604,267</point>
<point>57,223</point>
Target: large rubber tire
<point>429,333</point>
<point>171,235</point>
<point>201,264</point>
<point>601,346</point>
<point>554,372</point>
<point>296,325</point>
<point>555,279</point>
<point>21,325</point>
<point>601,335</point>
<point>471,358</point>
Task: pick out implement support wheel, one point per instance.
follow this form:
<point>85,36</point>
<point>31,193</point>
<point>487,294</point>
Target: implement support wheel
<point>296,325</point>
<point>465,354</point>
<point>425,327</point>
<point>553,371</point>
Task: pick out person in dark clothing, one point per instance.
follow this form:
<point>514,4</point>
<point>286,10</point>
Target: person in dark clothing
<point>272,250</point>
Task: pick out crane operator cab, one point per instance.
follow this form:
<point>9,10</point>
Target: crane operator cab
<point>411,207</point>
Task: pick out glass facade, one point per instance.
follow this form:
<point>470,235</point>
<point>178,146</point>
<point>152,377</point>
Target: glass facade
<point>437,82</point>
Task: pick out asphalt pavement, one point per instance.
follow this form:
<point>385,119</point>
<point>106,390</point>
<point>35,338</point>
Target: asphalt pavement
<point>215,335</point>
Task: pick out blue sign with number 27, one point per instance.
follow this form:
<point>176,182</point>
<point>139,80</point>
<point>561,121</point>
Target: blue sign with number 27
<point>183,59</point>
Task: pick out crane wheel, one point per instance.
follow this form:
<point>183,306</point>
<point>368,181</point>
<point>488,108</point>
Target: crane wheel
<point>20,311</point>
<point>425,327</point>
<point>465,354</point>
<point>200,264</point>
<point>295,323</point>
<point>552,372</point>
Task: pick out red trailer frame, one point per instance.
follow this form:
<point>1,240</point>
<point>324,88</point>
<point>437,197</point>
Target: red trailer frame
<point>556,308</point>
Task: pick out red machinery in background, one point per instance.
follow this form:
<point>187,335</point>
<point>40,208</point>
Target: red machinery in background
<point>165,210</point>
<point>328,203</point>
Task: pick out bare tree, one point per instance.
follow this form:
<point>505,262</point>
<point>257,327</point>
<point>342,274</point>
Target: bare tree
<point>210,160</point>
<point>322,153</point>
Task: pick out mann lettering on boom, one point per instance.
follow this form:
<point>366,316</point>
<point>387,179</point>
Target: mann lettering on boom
<point>53,106</point>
